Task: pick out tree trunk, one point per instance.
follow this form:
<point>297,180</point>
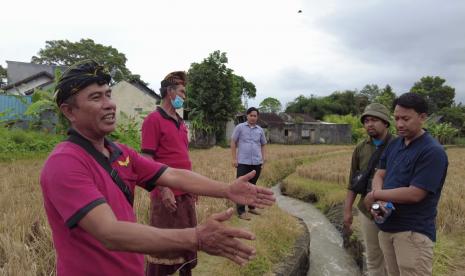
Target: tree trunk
<point>202,139</point>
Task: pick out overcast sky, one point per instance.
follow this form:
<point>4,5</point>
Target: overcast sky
<point>331,45</point>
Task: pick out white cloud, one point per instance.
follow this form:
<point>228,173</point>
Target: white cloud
<point>332,45</point>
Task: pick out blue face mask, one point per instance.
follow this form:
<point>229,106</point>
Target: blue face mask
<point>177,102</point>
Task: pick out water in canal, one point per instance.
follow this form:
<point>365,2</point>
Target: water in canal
<point>327,256</point>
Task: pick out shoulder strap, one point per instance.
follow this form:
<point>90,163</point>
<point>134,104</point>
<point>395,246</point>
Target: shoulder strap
<point>374,159</point>
<point>103,161</point>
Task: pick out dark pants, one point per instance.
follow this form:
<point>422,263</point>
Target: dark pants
<point>243,169</point>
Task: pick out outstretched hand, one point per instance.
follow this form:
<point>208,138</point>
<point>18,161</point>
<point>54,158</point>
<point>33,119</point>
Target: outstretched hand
<point>242,192</point>
<point>215,238</point>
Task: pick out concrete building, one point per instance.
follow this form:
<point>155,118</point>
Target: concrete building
<point>294,128</point>
<point>134,99</point>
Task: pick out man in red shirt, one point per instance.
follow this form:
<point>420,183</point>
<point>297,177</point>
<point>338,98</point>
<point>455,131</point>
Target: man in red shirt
<point>90,213</point>
<point>164,139</point>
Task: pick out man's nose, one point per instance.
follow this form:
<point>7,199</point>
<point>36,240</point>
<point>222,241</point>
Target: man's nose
<point>109,104</point>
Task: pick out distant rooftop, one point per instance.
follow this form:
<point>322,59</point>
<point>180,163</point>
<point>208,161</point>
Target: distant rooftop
<point>18,71</point>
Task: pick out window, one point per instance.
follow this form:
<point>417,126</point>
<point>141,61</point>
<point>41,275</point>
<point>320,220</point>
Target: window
<point>286,132</point>
<point>305,133</point>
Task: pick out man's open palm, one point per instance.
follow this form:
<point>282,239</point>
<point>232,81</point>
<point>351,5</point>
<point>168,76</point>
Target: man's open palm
<point>242,192</point>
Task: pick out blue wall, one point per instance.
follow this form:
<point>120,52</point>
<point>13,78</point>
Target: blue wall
<point>13,107</point>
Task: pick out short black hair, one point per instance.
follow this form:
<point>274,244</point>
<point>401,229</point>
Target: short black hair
<point>251,109</point>
<point>164,90</point>
<point>411,100</point>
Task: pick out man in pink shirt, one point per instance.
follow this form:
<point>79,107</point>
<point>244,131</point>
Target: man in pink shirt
<point>88,188</point>
<point>164,139</point>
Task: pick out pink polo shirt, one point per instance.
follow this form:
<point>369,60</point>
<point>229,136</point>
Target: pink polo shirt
<point>166,139</point>
<point>72,184</point>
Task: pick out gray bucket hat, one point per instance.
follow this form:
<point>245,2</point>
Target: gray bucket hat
<point>377,110</point>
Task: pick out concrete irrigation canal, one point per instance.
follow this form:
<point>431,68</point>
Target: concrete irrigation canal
<point>327,255</point>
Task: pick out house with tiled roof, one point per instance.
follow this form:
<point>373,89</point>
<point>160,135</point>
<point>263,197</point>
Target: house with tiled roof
<point>299,128</point>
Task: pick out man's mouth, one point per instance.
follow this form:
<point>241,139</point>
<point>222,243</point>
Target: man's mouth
<point>109,117</point>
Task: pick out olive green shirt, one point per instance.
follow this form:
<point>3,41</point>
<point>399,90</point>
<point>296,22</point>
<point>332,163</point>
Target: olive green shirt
<point>360,159</point>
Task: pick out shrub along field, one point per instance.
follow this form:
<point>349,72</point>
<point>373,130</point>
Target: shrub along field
<point>326,180</point>
<point>19,144</point>
<point>25,238</point>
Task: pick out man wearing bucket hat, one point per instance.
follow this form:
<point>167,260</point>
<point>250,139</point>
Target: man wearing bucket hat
<point>376,121</point>
<point>88,185</point>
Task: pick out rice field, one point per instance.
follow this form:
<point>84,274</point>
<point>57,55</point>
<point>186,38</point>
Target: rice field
<point>325,181</point>
<point>25,239</point>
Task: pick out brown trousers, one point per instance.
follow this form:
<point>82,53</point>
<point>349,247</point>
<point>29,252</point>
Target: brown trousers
<point>184,217</point>
<point>407,253</point>
<point>374,255</point>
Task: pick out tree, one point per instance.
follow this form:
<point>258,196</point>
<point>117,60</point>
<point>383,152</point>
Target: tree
<point>43,101</point>
<point>314,106</point>
<point>270,105</point>
<point>246,88</point>
<point>454,115</point>
<point>66,53</point>
<point>340,103</point>
<point>343,103</point>
<point>2,76</point>
<point>435,93</point>
<point>213,96</point>
<point>371,91</point>
<point>386,97</point>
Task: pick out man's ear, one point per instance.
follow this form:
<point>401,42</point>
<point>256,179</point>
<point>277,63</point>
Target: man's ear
<point>423,117</point>
<point>172,92</point>
<point>68,111</point>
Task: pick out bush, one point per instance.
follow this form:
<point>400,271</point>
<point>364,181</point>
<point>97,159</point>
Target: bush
<point>444,132</point>
<point>127,132</point>
<point>20,137</point>
<point>18,144</point>
<point>358,132</point>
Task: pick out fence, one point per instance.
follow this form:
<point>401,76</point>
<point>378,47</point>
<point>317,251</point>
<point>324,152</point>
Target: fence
<point>12,107</point>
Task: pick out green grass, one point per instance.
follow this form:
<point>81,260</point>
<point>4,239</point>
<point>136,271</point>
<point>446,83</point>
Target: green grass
<point>449,254</point>
<point>277,170</point>
<point>326,194</point>
<point>275,236</point>
<point>17,144</point>
<point>14,156</point>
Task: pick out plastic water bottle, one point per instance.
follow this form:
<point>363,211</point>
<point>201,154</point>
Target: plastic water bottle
<point>383,211</point>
